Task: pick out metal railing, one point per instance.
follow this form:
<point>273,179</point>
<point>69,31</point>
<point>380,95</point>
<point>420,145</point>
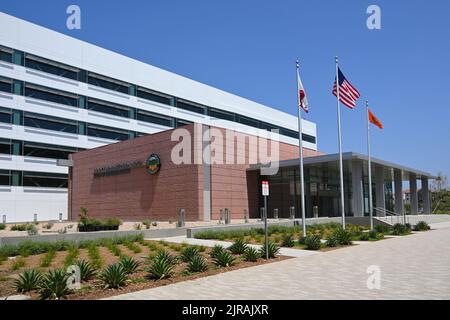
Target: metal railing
<point>391,216</point>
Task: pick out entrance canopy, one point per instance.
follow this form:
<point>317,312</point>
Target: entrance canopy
<point>322,186</point>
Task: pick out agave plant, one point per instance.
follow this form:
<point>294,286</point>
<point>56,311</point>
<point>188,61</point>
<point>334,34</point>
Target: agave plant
<point>197,264</point>
<point>114,276</point>
<point>188,253</point>
<point>421,226</point>
<point>332,242</point>
<point>161,266</point>
<point>312,242</point>
<point>251,254</point>
<point>129,264</point>
<point>272,251</point>
<point>87,270</point>
<point>224,259</point>
<point>343,236</point>
<point>54,285</point>
<point>217,249</point>
<point>28,280</point>
<point>288,241</point>
<point>238,246</point>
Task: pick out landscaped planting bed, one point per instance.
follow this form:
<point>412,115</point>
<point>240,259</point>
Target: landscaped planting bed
<point>319,236</point>
<point>114,266</point>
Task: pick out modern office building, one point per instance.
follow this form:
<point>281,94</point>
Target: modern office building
<point>60,95</point>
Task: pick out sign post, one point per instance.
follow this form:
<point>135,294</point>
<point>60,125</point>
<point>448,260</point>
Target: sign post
<point>265,193</point>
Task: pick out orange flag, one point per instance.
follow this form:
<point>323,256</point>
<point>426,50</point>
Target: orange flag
<point>375,120</point>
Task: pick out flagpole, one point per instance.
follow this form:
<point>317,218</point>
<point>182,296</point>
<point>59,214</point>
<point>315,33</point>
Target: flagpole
<point>300,139</point>
<point>370,167</point>
<point>340,144</point>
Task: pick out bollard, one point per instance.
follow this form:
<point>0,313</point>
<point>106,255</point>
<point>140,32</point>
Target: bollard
<point>35,217</point>
<point>4,218</point>
<point>316,211</point>
<point>275,213</point>
<point>181,217</point>
<point>246,215</point>
<point>292,213</point>
<point>221,217</point>
<point>227,213</point>
<point>60,217</point>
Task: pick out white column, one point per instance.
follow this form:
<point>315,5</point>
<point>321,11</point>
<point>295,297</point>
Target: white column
<point>426,196</point>
<point>357,189</point>
<point>398,198</point>
<point>413,193</point>
<point>379,190</point>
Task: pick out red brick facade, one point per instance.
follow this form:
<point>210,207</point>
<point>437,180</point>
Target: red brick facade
<point>137,195</point>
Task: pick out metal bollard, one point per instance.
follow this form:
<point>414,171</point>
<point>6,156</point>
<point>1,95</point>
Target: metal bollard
<point>60,217</point>
<point>316,211</point>
<point>246,215</point>
<point>275,213</point>
<point>221,216</point>
<point>181,217</point>
<point>292,213</point>
<point>35,217</point>
<point>227,216</point>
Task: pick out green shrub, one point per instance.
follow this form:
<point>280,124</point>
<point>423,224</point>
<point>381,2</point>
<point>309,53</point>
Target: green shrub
<point>2,226</point>
<point>238,247</point>
<point>302,240</point>
<point>47,259</point>
<point>94,256</point>
<point>399,229</point>
<point>152,246</point>
<point>421,226</point>
<point>71,256</point>
<point>87,270</point>
<point>373,234</point>
<point>197,264</point>
<point>27,281</point>
<point>364,236</point>
<point>251,254</point>
<point>343,237</point>
<point>381,228</point>
<point>188,253</point>
<point>114,249</point>
<point>224,259</point>
<point>112,222</point>
<point>408,226</point>
<point>331,242</point>
<point>288,241</point>
<point>54,285</point>
<point>161,266</point>
<point>19,227</point>
<point>273,250</point>
<point>312,242</point>
<point>379,236</point>
<point>48,226</point>
<point>147,224</point>
<point>129,264</point>
<point>132,246</point>
<point>114,276</point>
<point>217,249</point>
<point>18,264</point>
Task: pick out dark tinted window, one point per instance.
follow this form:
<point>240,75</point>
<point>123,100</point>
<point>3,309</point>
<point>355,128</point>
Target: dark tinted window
<point>5,85</point>
<point>49,123</point>
<point>181,123</point>
<point>107,83</point>
<point>190,107</point>
<point>248,121</point>
<point>6,54</point>
<point>51,95</point>
<point>5,146</point>
<point>50,67</point>
<point>109,108</point>
<point>152,118</point>
<point>43,179</point>
<point>5,115</point>
<point>41,150</point>
<point>221,114</point>
<point>5,178</point>
<point>106,133</point>
<point>145,94</point>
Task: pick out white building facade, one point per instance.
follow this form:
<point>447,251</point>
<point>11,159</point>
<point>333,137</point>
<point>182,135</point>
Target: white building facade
<point>60,95</point>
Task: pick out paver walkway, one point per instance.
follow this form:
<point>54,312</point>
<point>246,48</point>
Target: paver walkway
<point>412,267</point>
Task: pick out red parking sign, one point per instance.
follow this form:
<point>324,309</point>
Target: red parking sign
<point>265,188</point>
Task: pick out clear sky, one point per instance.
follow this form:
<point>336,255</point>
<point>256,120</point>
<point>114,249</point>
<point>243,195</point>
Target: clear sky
<point>249,48</point>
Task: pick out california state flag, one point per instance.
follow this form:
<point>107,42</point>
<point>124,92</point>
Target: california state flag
<point>302,100</point>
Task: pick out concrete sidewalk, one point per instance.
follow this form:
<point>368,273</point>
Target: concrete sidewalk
<point>412,267</point>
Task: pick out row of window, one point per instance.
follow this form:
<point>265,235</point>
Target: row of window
<point>62,70</point>
<point>33,179</point>
<point>41,121</point>
<point>35,149</point>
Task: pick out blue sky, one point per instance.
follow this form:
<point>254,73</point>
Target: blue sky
<point>249,48</point>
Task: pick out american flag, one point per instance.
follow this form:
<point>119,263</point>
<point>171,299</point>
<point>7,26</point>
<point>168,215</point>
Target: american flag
<point>348,94</point>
